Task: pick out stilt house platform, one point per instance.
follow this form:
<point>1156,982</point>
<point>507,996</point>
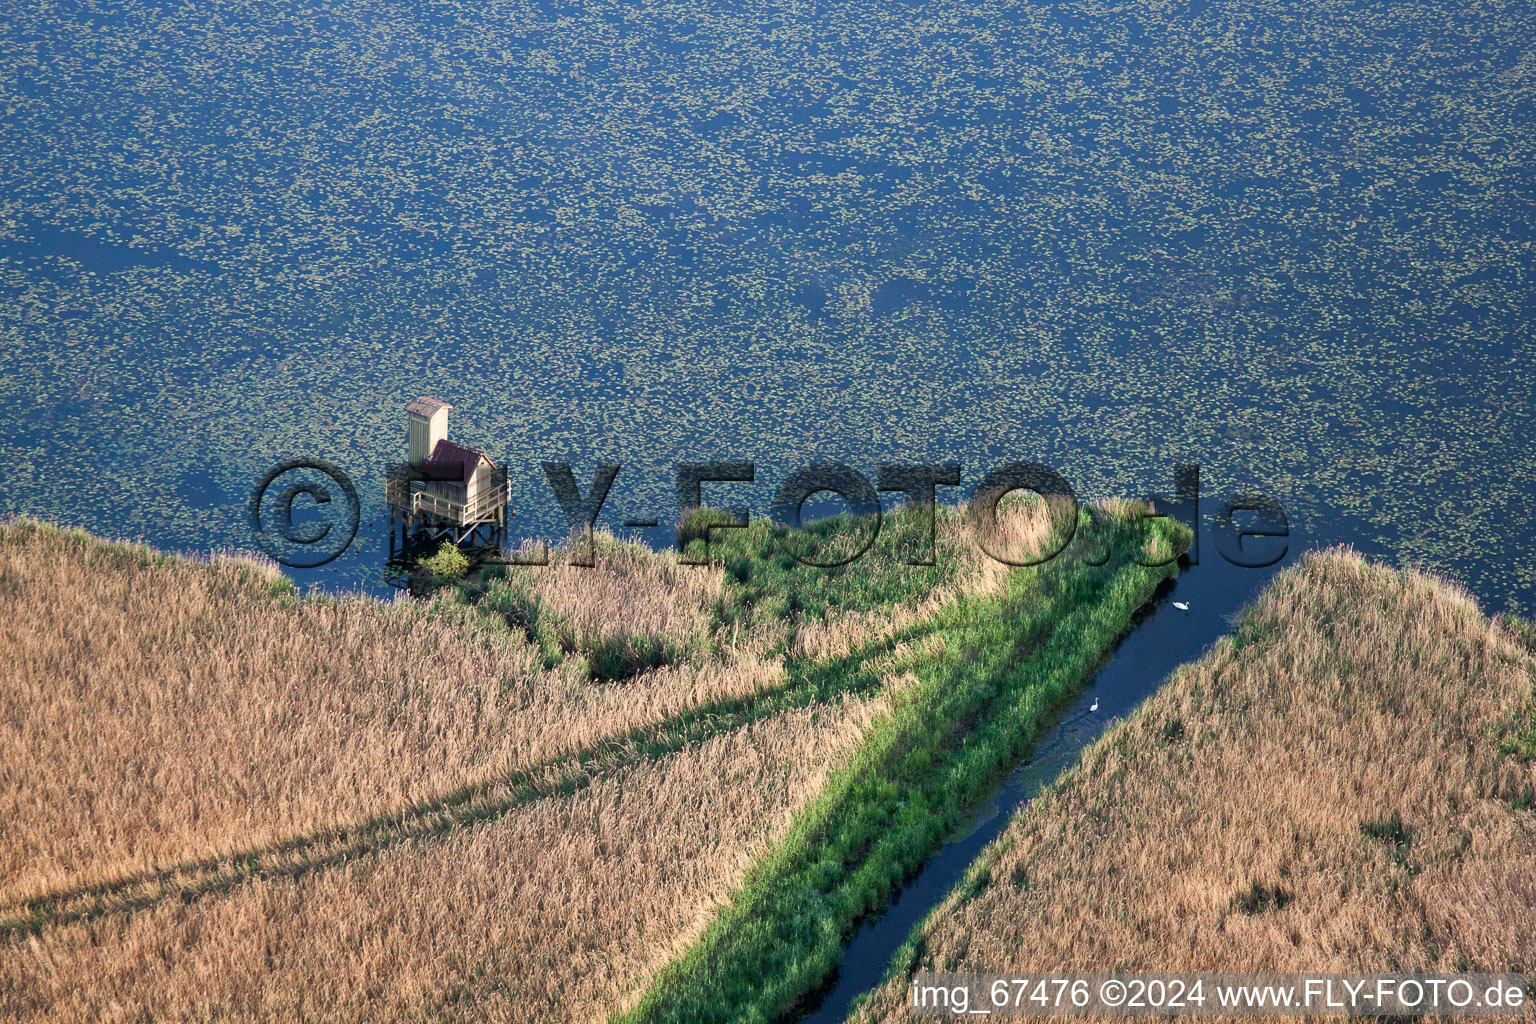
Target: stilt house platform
<point>445,489</point>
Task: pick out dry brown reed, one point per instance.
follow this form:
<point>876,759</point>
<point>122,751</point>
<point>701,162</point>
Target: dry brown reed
<point>559,910</point>
<point>159,710</point>
<point>629,590</point>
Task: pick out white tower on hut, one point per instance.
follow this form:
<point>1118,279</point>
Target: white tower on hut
<point>429,424</point>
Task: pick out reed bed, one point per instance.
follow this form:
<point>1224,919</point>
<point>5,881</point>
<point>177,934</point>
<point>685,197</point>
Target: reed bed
<point>1337,786</point>
<point>623,611</point>
<point>1020,530</point>
<point>557,911</point>
<point>158,710</point>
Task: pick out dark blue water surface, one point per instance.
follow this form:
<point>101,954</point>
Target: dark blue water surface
<point>1288,241</point>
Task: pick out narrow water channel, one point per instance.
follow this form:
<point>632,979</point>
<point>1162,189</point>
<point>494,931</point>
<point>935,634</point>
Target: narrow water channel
<point>1164,638</point>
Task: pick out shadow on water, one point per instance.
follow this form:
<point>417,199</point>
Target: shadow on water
<point>1164,638</point>
<point>41,240</point>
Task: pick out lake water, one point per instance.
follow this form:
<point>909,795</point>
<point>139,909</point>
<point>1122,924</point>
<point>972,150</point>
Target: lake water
<point>1288,241</point>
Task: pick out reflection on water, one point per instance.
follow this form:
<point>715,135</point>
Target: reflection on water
<point>37,242</point>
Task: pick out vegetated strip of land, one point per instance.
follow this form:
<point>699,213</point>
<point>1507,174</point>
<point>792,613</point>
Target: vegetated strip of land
<point>857,674</point>
<point>558,912</point>
<point>1001,665</point>
<point>1346,782</point>
<point>795,639</point>
<point>163,711</point>
<point>497,901</point>
<point>561,910</point>
<point>757,679</point>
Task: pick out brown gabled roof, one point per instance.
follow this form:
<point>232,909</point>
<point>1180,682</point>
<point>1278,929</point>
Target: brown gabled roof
<point>425,406</point>
<point>453,463</point>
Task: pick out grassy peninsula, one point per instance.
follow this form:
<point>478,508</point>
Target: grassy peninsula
<point>1344,783</point>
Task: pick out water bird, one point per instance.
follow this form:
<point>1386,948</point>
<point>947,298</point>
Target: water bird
<point>1095,705</point>
<point>1182,606</point>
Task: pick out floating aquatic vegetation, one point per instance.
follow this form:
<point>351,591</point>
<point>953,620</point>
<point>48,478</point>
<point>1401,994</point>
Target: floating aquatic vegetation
<point>1290,241</point>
